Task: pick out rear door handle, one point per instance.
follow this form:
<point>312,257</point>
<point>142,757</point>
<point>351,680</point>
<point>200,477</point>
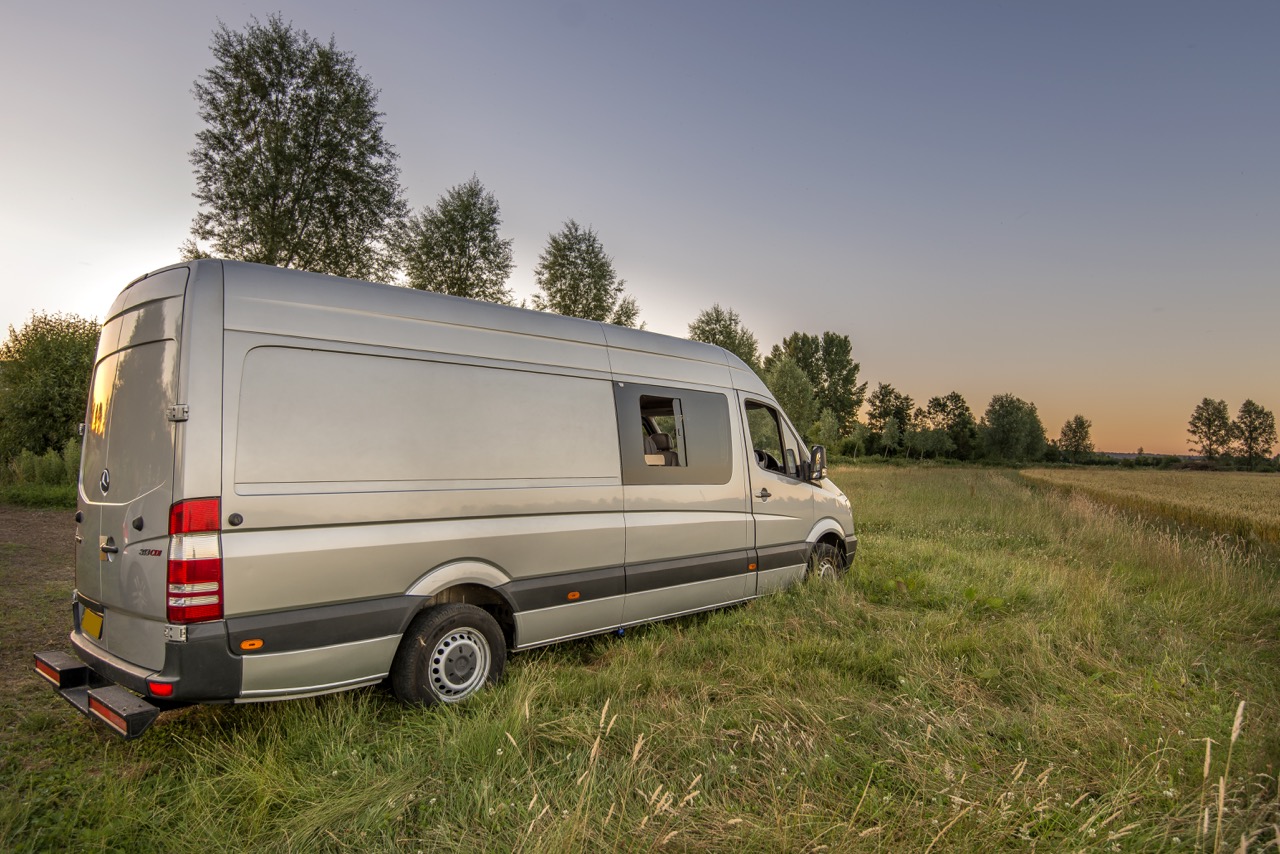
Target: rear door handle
<point>110,550</point>
<point>764,495</point>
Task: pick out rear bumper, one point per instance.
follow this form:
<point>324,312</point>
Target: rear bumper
<point>106,688</point>
<point>201,669</point>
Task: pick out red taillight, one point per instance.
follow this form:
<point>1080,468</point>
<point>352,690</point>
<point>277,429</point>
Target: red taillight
<point>160,689</point>
<point>195,561</point>
<point>195,516</point>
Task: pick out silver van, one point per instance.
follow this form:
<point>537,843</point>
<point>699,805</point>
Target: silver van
<point>294,484</point>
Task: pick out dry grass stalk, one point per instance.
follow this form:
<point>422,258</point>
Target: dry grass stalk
<point>1222,798</point>
<point>635,752</point>
<point>1202,827</point>
<point>947,827</point>
<point>1236,726</point>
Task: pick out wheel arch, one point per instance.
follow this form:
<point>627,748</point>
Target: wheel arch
<point>829,531</point>
<point>470,583</point>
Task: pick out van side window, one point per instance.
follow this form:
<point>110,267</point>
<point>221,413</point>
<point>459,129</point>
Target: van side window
<point>774,445</point>
<point>662,420</point>
<point>673,435</point>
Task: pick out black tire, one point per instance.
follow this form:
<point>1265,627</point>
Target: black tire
<point>825,563</point>
<point>448,653</point>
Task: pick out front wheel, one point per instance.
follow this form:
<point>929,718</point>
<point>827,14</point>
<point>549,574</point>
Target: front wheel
<point>825,563</point>
<point>449,652</point>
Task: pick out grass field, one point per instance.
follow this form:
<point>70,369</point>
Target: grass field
<point>1239,503</point>
<point>1005,667</point>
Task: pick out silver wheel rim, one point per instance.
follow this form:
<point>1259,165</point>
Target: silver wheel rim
<point>825,568</point>
<point>459,664</point>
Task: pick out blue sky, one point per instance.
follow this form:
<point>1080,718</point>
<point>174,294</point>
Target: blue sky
<point>1077,203</point>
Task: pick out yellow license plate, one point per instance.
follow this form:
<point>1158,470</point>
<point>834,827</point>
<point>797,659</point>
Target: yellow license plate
<point>91,624</point>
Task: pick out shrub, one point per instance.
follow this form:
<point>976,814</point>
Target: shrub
<point>45,382</point>
<point>48,469</point>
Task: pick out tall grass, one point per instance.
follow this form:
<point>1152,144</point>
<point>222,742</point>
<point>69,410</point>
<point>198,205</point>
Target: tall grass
<point>1002,668</point>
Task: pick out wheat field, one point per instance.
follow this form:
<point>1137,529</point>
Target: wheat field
<point>1240,503</point>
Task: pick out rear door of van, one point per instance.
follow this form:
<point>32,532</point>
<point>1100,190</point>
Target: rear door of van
<point>126,472</point>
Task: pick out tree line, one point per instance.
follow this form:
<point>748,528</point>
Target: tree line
<point>293,169</point>
<point>815,380</point>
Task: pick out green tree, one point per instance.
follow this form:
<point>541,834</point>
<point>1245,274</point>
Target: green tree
<point>1254,432</point>
<point>891,435</point>
<point>827,361</point>
<point>1011,430</point>
<point>887,402</point>
<point>937,442</point>
<point>855,441</point>
<point>826,431</point>
<point>291,167</point>
<point>1210,428</point>
<point>923,438</point>
<point>1074,440</point>
<point>803,349</point>
<point>723,327</point>
<point>44,382</point>
<point>793,392</point>
<point>951,414</point>
<point>454,248</point>
<point>577,279</point>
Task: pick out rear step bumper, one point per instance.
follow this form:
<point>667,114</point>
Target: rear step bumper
<point>123,711</point>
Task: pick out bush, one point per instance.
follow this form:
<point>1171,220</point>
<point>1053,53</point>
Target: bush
<point>45,382</point>
<point>48,469</point>
<point>71,459</point>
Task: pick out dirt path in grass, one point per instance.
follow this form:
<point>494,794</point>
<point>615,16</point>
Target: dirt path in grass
<point>37,571</point>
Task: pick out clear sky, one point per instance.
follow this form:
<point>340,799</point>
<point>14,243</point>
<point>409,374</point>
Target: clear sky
<point>1077,203</point>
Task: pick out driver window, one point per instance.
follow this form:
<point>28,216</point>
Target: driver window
<point>793,451</point>
<point>766,437</point>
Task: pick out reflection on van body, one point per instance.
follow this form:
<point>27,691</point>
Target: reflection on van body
<point>294,484</point>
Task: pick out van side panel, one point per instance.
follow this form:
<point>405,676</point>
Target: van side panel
<point>319,670</point>
<point>348,421</point>
<point>284,568</point>
<point>411,439</point>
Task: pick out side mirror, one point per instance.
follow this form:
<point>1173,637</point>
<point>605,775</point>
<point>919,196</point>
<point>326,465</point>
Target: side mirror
<point>818,463</point>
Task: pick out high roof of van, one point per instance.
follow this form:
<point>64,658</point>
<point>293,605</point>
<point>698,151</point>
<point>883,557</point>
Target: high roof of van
<point>272,300</point>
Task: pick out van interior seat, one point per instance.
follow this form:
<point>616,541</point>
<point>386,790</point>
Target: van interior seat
<point>657,450</point>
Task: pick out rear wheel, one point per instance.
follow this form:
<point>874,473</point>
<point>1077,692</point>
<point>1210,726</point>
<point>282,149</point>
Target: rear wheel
<point>448,653</point>
<point>825,563</point>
